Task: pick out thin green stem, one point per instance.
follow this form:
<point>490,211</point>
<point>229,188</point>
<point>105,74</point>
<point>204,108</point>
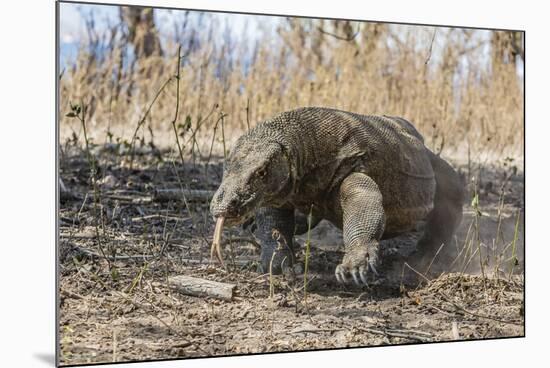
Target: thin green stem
<point>306,262</point>
<point>178,76</point>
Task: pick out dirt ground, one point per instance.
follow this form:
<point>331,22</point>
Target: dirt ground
<point>116,304</point>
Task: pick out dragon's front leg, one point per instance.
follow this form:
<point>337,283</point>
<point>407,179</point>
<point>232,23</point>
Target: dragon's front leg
<point>363,226</point>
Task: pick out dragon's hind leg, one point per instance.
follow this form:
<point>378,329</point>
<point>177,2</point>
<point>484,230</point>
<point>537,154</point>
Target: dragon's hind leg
<point>274,230</point>
<point>445,217</point>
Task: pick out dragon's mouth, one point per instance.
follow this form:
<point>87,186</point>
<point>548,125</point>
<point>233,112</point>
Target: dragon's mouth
<point>221,221</point>
<point>235,220</point>
<point>236,215</point>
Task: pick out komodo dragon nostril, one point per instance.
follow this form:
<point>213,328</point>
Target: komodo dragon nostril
<point>234,202</point>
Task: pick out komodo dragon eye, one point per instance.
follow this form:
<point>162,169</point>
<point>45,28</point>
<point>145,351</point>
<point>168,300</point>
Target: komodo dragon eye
<point>262,172</point>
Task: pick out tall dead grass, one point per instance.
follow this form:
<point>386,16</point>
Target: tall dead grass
<point>444,82</point>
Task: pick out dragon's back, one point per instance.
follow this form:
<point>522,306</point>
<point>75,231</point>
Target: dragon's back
<point>326,135</point>
<point>334,143</point>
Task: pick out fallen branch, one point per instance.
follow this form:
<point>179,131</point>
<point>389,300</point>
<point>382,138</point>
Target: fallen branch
<point>158,217</point>
<point>314,330</point>
<point>200,287</point>
<point>91,253</point>
<point>129,199</point>
<point>237,262</point>
<point>165,195</point>
<point>397,333</point>
<point>70,294</point>
<point>77,236</point>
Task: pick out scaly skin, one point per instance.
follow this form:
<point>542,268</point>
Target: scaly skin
<point>371,176</point>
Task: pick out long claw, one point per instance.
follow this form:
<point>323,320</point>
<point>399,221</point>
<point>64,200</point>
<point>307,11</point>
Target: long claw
<point>340,275</point>
<point>363,274</point>
<point>355,278</point>
<point>373,269</point>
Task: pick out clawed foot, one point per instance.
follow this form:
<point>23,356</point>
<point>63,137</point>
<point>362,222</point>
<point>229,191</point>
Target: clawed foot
<point>358,267</point>
<point>358,274</point>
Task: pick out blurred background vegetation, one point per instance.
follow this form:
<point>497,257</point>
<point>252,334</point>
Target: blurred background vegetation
<point>462,88</point>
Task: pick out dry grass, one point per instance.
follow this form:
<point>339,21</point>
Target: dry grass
<point>457,95</point>
<point>116,305</point>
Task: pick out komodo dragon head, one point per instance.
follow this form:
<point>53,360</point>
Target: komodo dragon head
<point>257,173</point>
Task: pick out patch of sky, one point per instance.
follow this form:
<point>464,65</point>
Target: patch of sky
<point>174,26</point>
<point>238,35</point>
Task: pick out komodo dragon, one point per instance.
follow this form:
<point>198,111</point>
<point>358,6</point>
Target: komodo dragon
<point>371,176</point>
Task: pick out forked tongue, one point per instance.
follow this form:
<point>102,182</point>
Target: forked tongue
<point>216,242</point>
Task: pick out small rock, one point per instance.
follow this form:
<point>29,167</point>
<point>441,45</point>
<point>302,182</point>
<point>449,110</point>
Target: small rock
<point>109,181</point>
